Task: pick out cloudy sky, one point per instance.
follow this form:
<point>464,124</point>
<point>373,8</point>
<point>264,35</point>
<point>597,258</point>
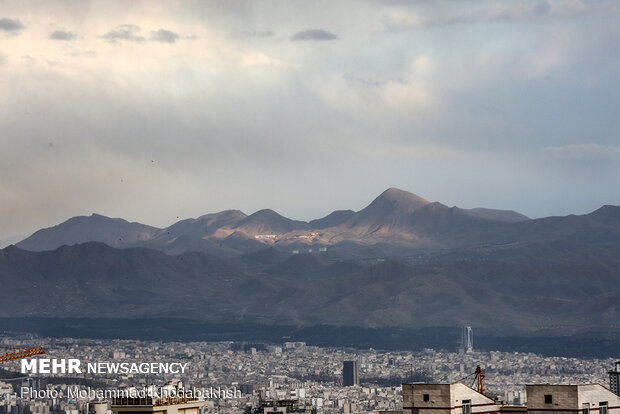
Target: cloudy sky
<point>156,110</point>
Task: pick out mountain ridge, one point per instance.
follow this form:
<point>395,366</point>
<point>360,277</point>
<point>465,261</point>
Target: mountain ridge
<point>574,284</point>
<point>80,229</point>
<point>394,220</point>
<point>402,261</point>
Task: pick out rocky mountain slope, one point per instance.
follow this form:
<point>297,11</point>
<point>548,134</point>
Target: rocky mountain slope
<point>565,286</point>
<point>396,218</point>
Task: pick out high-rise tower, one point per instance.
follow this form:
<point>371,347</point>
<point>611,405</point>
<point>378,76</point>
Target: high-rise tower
<point>467,339</point>
<point>350,374</point>
<point>614,379</point>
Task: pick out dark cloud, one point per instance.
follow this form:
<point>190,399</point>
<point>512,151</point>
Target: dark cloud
<point>363,81</point>
<point>62,35</point>
<point>164,36</point>
<point>10,25</point>
<point>127,32</point>
<point>314,34</point>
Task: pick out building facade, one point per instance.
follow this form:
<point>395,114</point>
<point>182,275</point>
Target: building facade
<point>350,373</point>
<point>571,399</point>
<point>614,379</point>
<point>455,398</point>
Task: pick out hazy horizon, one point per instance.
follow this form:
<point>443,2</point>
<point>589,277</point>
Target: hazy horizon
<point>159,111</point>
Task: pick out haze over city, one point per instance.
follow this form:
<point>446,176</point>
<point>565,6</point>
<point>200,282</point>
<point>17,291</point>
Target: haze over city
<point>155,111</point>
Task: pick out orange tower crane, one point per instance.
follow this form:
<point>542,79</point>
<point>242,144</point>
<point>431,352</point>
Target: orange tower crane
<point>19,352</point>
<point>479,379</point>
<point>478,382</point>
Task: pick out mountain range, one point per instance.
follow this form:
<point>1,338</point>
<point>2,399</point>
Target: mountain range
<point>396,218</point>
<point>400,262</point>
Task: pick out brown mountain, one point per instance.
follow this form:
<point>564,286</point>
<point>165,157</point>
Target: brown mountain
<point>393,224</point>
<point>392,210</point>
<point>268,222</point>
<point>203,226</point>
<point>400,262</point>
<point>333,219</point>
<point>507,216</point>
<point>114,232</point>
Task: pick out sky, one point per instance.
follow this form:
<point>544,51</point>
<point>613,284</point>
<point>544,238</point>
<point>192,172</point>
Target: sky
<point>156,111</point>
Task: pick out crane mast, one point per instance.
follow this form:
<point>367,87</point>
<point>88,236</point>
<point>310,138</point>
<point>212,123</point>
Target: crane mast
<point>478,383</point>
<point>479,379</point>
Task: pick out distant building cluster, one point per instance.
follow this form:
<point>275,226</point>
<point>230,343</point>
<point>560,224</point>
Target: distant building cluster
<point>293,377</point>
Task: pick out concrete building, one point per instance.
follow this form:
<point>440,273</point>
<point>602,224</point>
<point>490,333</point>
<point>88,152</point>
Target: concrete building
<point>98,407</point>
<point>458,398</point>
<point>571,399</point>
<point>385,412</point>
<point>350,373</point>
<point>169,401</point>
<point>455,398</point>
<point>281,407</point>
<point>614,379</point>
<point>467,339</point>
<point>515,397</point>
<point>294,345</point>
<point>136,407</point>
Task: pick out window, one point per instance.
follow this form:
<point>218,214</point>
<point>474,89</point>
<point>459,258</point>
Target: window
<point>602,407</point>
<point>548,399</point>
<point>466,406</point>
<point>586,408</point>
<point>427,397</point>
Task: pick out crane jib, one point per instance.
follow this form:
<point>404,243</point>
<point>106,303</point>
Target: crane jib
<point>19,353</point>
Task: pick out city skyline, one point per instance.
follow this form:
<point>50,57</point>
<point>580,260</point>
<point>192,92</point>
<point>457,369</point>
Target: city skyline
<point>306,374</point>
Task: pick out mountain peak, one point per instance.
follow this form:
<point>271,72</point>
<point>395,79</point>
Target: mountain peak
<point>267,221</point>
<point>392,210</point>
<point>223,214</point>
<point>266,212</point>
<point>97,215</point>
<point>94,228</point>
<point>397,195</point>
